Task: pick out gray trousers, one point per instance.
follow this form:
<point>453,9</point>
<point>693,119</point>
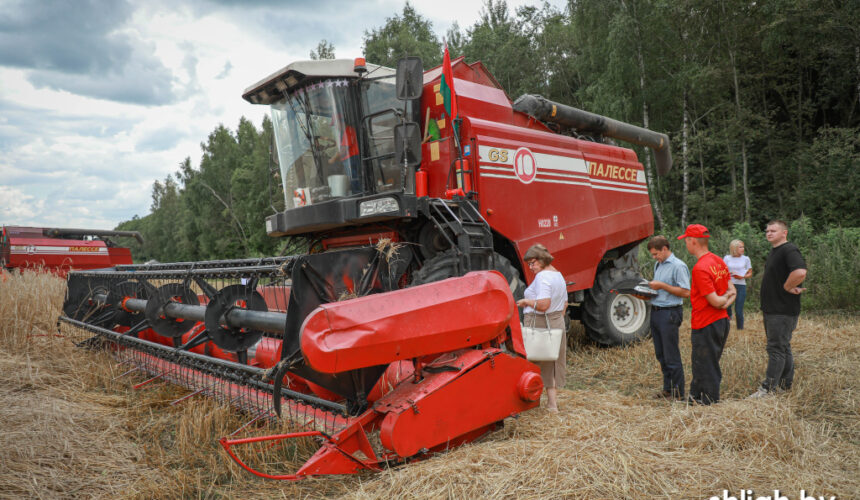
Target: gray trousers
<point>780,363</point>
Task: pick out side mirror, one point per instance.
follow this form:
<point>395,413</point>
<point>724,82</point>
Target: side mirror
<point>407,144</point>
<point>410,78</point>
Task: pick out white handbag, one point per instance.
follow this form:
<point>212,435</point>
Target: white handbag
<point>542,344</point>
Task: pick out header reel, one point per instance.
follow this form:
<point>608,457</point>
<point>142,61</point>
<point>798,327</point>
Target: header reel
<point>331,341</point>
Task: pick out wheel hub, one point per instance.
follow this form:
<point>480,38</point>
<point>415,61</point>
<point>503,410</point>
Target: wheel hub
<point>627,313</point>
<point>622,310</point>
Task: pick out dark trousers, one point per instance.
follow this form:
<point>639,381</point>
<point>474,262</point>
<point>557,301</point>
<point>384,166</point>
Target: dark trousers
<point>738,306</point>
<point>780,363</point>
<point>708,344</point>
<point>664,333</point>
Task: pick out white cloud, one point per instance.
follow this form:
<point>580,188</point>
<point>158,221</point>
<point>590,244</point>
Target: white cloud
<point>91,117</point>
<point>15,205</point>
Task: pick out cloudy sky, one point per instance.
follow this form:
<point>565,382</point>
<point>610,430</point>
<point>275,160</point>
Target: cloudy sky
<point>99,98</point>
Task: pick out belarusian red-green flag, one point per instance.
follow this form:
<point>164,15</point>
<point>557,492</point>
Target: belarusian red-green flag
<point>447,87</point>
<point>433,132</point>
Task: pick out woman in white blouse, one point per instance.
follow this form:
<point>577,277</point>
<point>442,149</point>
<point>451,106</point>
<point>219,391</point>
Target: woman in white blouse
<point>546,300</point>
<point>740,268</point>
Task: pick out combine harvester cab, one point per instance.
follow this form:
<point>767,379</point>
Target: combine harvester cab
<point>398,335</point>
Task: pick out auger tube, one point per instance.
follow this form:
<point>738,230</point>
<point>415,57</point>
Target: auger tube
<point>267,321</point>
<point>548,111</point>
<point>60,231</point>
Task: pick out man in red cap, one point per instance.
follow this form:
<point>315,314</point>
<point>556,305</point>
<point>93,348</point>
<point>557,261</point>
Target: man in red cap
<point>711,293</point>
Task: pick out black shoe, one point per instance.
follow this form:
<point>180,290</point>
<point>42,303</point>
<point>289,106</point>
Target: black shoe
<point>669,396</point>
<point>663,395</point>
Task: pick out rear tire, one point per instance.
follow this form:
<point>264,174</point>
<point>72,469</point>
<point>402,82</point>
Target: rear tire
<point>614,319</point>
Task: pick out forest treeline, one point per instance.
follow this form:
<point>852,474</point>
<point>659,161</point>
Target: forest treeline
<point>761,101</point>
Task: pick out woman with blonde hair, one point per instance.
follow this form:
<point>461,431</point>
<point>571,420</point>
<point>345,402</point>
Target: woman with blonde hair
<point>545,300</point>
<point>740,269</point>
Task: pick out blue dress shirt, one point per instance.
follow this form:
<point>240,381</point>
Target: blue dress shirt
<point>671,271</point>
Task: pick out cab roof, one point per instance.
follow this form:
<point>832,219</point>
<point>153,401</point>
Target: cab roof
<point>297,74</point>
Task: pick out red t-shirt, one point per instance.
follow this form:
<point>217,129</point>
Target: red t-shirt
<point>710,274</point>
<point>349,141</point>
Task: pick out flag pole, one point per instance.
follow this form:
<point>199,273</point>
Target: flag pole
<point>455,120</point>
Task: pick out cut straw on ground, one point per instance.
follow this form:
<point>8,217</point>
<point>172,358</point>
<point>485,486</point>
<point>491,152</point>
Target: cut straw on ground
<point>73,428</point>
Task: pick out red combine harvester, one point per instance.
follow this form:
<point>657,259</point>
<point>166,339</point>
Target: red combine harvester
<point>60,250</point>
<point>396,335</point>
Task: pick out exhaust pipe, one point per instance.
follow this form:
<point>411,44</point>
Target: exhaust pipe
<point>56,232</point>
<point>568,116</point>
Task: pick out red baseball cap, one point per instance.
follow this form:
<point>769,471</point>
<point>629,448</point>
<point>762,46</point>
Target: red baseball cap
<point>695,231</point>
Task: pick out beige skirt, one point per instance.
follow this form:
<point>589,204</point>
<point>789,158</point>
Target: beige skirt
<point>552,372</point>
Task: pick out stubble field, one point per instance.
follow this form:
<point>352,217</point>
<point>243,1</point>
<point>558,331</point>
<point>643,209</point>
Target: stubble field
<point>73,428</point>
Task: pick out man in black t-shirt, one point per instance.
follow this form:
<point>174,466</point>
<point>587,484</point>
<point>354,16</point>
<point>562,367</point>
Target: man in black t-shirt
<point>784,271</point>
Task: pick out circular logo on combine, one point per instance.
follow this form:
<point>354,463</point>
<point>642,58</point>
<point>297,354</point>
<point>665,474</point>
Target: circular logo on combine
<point>525,165</point>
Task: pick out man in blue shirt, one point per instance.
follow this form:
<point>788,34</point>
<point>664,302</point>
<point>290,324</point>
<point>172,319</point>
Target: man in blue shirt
<point>672,282</point>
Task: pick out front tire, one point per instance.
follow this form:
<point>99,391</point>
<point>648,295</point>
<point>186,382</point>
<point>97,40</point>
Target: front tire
<point>615,319</point>
<point>444,266</point>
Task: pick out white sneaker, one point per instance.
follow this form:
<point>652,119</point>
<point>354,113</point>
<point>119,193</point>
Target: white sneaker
<point>760,393</point>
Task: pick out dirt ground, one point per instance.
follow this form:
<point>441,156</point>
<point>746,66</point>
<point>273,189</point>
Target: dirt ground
<point>72,427</point>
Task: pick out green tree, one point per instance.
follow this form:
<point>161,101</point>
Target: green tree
<point>506,46</point>
<point>159,229</point>
<point>455,38</point>
<point>324,50</point>
<point>829,194</point>
<point>627,67</point>
<point>250,186</point>
<point>218,231</point>
<point>139,252</point>
<point>408,34</point>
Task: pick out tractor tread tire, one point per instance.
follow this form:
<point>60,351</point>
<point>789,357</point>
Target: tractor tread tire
<point>596,314</point>
<point>444,266</point>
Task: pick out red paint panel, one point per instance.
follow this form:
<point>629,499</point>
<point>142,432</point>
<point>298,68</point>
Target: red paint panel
<point>277,297</point>
<point>517,338</point>
<point>578,215</point>
<point>396,373</point>
<point>403,324</point>
<point>447,405</point>
<point>437,170</point>
<point>119,256</point>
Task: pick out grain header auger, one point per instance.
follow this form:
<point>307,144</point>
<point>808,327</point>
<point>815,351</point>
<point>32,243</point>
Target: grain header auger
<point>397,336</point>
